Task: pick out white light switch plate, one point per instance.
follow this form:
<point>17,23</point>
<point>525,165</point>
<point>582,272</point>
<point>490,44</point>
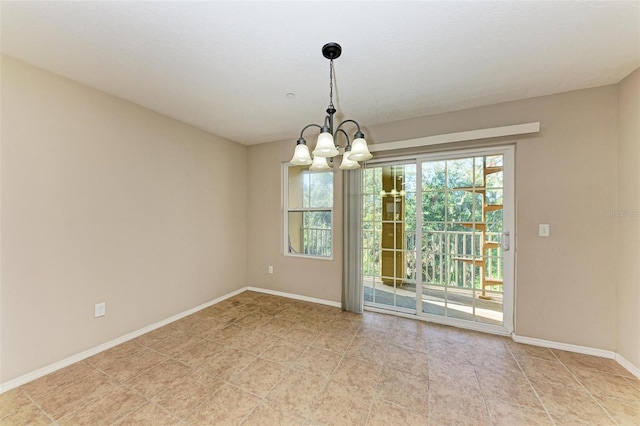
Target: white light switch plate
<point>543,230</point>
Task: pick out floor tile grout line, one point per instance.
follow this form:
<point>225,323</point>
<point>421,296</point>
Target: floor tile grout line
<point>169,411</point>
<point>344,354</point>
<point>58,389</point>
<point>196,408</point>
<point>261,399</point>
<point>33,401</point>
<point>589,392</point>
<point>429,391</point>
<point>535,391</point>
<point>315,405</point>
<point>264,398</point>
<point>128,387</point>
<point>484,399</point>
<point>166,410</point>
<point>184,419</point>
<point>77,408</point>
<point>556,357</point>
<point>371,401</point>
<point>383,365</point>
<point>130,412</point>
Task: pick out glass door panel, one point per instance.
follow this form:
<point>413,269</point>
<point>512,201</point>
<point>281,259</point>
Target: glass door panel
<point>462,227</point>
<point>389,236</point>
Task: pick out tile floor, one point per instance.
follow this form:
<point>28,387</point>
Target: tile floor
<point>258,359</point>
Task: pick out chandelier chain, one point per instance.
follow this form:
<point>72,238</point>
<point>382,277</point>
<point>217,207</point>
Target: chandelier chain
<point>331,84</point>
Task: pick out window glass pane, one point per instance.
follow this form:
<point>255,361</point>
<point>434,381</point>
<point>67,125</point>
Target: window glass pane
<point>319,190</point>
<point>479,171</point>
<point>494,197</point>
<point>434,207</point>
<point>494,180</point>
<point>296,241</point>
<point>433,175</point>
<point>297,175</point>
<point>310,233</point>
<point>368,208</point>
<point>309,190</point>
<point>460,173</point>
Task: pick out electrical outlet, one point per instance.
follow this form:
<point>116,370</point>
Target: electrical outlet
<point>270,269</point>
<point>101,309</point>
<point>543,230</point>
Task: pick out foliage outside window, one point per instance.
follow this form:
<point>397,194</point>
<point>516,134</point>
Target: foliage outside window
<point>308,212</point>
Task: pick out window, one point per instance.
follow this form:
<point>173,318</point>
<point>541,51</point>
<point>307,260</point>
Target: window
<point>308,212</point>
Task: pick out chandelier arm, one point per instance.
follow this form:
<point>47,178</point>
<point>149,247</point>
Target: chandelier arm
<point>348,121</point>
<point>307,126</point>
<point>345,135</point>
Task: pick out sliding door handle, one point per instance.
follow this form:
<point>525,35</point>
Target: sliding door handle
<point>506,241</point>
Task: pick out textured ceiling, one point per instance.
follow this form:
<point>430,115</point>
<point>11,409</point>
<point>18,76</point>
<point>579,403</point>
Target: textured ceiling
<point>226,66</point>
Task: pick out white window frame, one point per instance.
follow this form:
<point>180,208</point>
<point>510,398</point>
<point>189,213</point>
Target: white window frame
<point>286,210</point>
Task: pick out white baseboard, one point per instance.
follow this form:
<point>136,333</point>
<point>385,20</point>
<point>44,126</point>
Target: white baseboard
<point>626,364</point>
<point>578,349</point>
<point>295,296</point>
<point>26,378</point>
<point>563,346</point>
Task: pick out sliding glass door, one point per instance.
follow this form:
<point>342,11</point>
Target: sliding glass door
<point>436,236</point>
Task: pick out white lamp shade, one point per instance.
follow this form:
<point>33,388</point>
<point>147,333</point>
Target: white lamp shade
<point>301,155</point>
<point>360,151</point>
<point>325,147</point>
<point>347,162</point>
<point>319,164</point>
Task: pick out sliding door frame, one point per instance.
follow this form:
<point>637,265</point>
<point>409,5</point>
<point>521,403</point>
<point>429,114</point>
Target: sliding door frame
<point>508,237</point>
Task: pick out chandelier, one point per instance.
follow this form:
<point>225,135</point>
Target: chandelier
<point>326,146</point>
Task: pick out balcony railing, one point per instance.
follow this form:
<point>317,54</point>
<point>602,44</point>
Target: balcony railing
<point>442,252</point>
<point>316,241</point>
<point>441,258</point>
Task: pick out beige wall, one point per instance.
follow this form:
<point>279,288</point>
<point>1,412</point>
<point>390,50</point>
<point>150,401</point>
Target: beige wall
<point>628,225</point>
<point>566,284</point>
<point>307,277</point>
<point>105,201</point>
